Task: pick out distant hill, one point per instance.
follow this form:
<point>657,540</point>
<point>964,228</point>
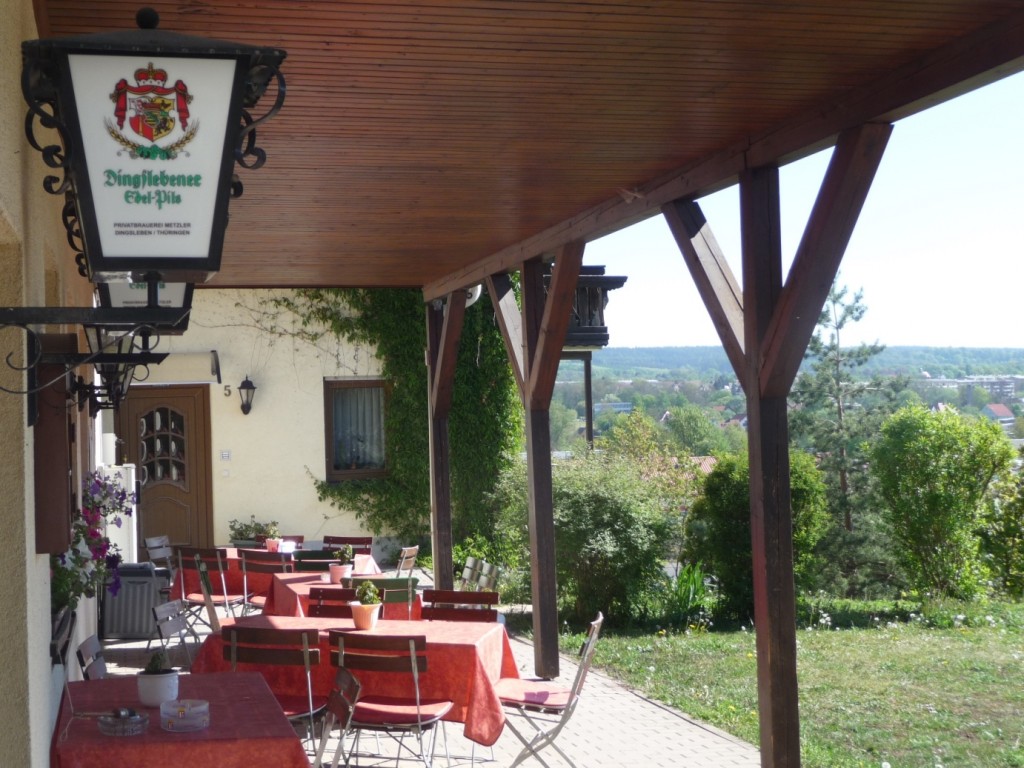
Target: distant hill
<point>699,362</point>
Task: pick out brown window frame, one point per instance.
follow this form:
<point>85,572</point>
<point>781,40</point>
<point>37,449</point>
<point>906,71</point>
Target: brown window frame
<point>335,474</point>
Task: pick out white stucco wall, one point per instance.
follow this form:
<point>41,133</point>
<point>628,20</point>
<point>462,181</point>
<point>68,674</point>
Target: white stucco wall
<point>37,269</point>
<point>260,460</point>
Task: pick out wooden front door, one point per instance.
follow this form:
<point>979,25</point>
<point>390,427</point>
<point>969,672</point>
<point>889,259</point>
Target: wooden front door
<point>165,432</point>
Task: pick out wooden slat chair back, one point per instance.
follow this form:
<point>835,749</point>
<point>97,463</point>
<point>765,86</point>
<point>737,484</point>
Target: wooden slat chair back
<point>372,652</point>
<point>392,589</point>
<point>383,582</point>
<point>459,605</point>
<point>403,594</point>
<point>313,559</point>
<point>261,561</point>
<point>331,602</point>
<point>406,561</point>
<point>471,574</point>
<point>361,545</point>
<point>90,658</point>
<point>544,706</point>
<point>172,621</point>
<point>280,647</point>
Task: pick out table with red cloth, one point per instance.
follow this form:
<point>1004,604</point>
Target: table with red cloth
<point>289,595</point>
<point>464,660</point>
<point>259,583</point>
<point>247,727</point>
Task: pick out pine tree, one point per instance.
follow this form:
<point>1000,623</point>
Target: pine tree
<point>836,412</point>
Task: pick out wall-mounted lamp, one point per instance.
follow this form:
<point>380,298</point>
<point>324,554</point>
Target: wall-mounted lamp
<point>246,391</point>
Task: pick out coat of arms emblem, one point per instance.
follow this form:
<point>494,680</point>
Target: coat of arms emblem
<point>153,111</point>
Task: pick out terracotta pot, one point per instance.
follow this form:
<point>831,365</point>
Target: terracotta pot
<point>365,616</point>
<point>157,687</point>
<point>339,572</point>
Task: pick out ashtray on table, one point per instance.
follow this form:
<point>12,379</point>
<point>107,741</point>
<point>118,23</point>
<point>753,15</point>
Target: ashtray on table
<point>185,715</point>
<point>124,723</point>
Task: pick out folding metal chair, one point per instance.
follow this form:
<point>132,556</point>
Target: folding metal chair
<point>90,658</point>
<point>361,545</point>
<point>203,562</point>
<point>488,580</point>
<point>471,574</point>
<point>261,561</point>
<point>332,602</point>
<point>341,705</point>
<point>406,561</point>
<point>397,717</point>
<point>457,605</point>
<point>161,554</point>
<point>313,559</point>
<point>172,621</point>
<point>280,647</point>
<point>545,706</point>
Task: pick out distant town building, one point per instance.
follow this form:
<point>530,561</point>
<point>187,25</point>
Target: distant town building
<point>1000,413</point>
<point>999,387</point>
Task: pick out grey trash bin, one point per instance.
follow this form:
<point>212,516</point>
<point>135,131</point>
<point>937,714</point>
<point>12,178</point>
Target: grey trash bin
<point>129,614</point>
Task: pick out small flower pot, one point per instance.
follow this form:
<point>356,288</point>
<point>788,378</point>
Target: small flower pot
<point>157,687</point>
<point>273,545</point>
<point>339,572</point>
<point>365,616</point>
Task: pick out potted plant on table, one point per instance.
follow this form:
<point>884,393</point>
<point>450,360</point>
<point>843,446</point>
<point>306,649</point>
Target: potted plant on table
<point>157,682</point>
<point>342,569</point>
<point>367,610</point>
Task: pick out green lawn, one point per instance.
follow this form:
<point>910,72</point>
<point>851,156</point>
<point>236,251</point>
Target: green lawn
<point>901,693</point>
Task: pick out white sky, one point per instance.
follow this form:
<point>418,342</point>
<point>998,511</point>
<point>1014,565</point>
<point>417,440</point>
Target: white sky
<point>938,249</point>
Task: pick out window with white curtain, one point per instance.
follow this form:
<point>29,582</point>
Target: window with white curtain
<point>354,413</point>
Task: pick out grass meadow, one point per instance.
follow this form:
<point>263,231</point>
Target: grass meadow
<point>939,688</point>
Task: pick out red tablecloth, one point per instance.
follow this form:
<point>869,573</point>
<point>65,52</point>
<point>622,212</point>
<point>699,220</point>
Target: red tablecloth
<point>259,583</point>
<point>247,728</point>
<point>464,660</point>
<point>289,596</point>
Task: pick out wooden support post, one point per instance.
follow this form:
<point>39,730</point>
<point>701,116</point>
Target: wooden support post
<point>770,512</point>
<point>444,329</point>
<point>534,340</point>
<point>538,482</point>
<point>765,332</point>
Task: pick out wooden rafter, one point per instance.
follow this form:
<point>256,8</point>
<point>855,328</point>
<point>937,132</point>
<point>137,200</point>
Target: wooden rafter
<point>711,274</point>
<point>546,355</point>
<point>447,353</point>
<point>510,321</point>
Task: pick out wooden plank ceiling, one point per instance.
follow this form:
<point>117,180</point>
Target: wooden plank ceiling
<point>427,143</point>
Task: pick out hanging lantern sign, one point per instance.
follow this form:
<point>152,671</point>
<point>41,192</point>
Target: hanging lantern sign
<point>151,125</point>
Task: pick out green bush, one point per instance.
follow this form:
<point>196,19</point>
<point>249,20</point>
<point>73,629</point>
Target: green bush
<point>718,528</point>
<point>933,471</point>
<point>609,534</point>
<point>1002,533</point>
